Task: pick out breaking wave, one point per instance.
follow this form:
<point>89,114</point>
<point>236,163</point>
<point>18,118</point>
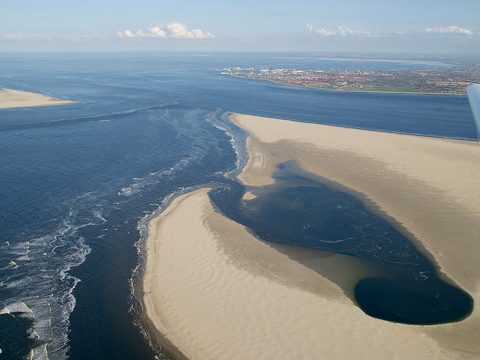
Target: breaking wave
<point>36,279</point>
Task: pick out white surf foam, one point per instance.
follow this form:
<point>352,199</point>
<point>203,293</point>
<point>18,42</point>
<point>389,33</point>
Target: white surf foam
<point>18,307</point>
<point>42,287</point>
<point>140,183</point>
<point>237,138</point>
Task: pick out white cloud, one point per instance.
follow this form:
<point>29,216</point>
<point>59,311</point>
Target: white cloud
<point>338,31</point>
<point>452,30</point>
<point>174,30</point>
<point>346,31</point>
<point>320,31</point>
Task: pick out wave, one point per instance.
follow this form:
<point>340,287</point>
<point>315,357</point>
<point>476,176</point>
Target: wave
<point>38,266</point>
<point>37,280</point>
<point>135,278</point>
<point>237,139</point>
<point>17,308</point>
<point>98,215</point>
<point>11,265</point>
<point>153,178</point>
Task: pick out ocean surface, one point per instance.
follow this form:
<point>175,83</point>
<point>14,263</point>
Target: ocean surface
<point>78,183</point>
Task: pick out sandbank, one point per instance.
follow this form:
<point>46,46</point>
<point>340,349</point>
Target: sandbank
<point>17,99</point>
<point>427,185</point>
<point>214,291</point>
<point>211,290</point>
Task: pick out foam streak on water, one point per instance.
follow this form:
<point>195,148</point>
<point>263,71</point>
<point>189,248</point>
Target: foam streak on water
<point>40,285</point>
<point>236,139</point>
<point>38,268</point>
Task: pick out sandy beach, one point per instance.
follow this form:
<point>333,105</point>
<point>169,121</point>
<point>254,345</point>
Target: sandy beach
<point>214,291</point>
<point>16,99</point>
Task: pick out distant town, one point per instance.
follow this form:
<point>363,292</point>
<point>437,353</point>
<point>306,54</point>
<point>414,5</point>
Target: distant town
<point>451,80</point>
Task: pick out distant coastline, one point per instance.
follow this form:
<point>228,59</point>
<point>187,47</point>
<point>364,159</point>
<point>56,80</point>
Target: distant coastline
<point>11,99</point>
<point>414,92</point>
<point>289,77</point>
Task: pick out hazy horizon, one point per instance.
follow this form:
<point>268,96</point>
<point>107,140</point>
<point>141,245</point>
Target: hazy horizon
<point>440,26</point>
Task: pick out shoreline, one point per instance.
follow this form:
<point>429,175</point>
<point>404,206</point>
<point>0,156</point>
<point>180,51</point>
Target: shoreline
<point>368,91</point>
<point>269,142</point>
<point>15,99</point>
<point>156,339</point>
<point>350,91</point>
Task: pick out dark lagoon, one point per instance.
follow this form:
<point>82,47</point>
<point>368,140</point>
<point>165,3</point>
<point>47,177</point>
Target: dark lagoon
<point>307,211</point>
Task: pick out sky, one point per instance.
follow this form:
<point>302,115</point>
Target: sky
<point>439,26</point>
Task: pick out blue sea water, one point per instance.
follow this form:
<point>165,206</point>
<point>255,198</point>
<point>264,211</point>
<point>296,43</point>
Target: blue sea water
<point>79,182</point>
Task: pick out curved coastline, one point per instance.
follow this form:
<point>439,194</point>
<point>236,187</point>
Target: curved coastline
<point>280,269</point>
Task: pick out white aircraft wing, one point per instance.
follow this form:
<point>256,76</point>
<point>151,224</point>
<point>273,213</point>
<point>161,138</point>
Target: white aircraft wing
<point>473,92</point>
